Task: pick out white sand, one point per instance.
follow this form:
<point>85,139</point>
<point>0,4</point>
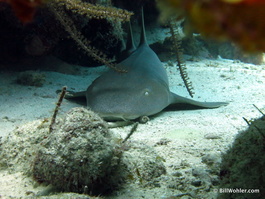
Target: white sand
<point>187,131</point>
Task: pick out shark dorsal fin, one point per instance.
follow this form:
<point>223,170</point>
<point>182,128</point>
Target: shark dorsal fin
<point>143,37</point>
<point>130,46</point>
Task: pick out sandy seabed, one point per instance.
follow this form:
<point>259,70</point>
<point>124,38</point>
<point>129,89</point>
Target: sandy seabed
<point>184,139</point>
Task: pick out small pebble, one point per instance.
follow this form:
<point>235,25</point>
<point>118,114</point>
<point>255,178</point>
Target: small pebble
<point>212,136</point>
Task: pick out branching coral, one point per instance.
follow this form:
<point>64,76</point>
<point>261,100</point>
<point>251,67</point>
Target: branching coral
<point>176,47</point>
<point>90,11</point>
<point>58,104</point>
<point>94,11</point>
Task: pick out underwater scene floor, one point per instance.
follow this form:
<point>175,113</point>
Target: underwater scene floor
<point>190,143</point>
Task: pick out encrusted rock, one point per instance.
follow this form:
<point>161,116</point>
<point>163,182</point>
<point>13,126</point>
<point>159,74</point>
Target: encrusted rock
<point>78,155</point>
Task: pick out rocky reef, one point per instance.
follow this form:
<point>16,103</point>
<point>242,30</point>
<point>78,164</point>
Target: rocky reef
<point>242,167</point>
<point>80,155</point>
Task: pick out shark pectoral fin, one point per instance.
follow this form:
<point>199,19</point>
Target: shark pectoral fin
<point>210,104</point>
<point>176,99</point>
<point>78,97</point>
<point>119,124</point>
<point>72,94</point>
